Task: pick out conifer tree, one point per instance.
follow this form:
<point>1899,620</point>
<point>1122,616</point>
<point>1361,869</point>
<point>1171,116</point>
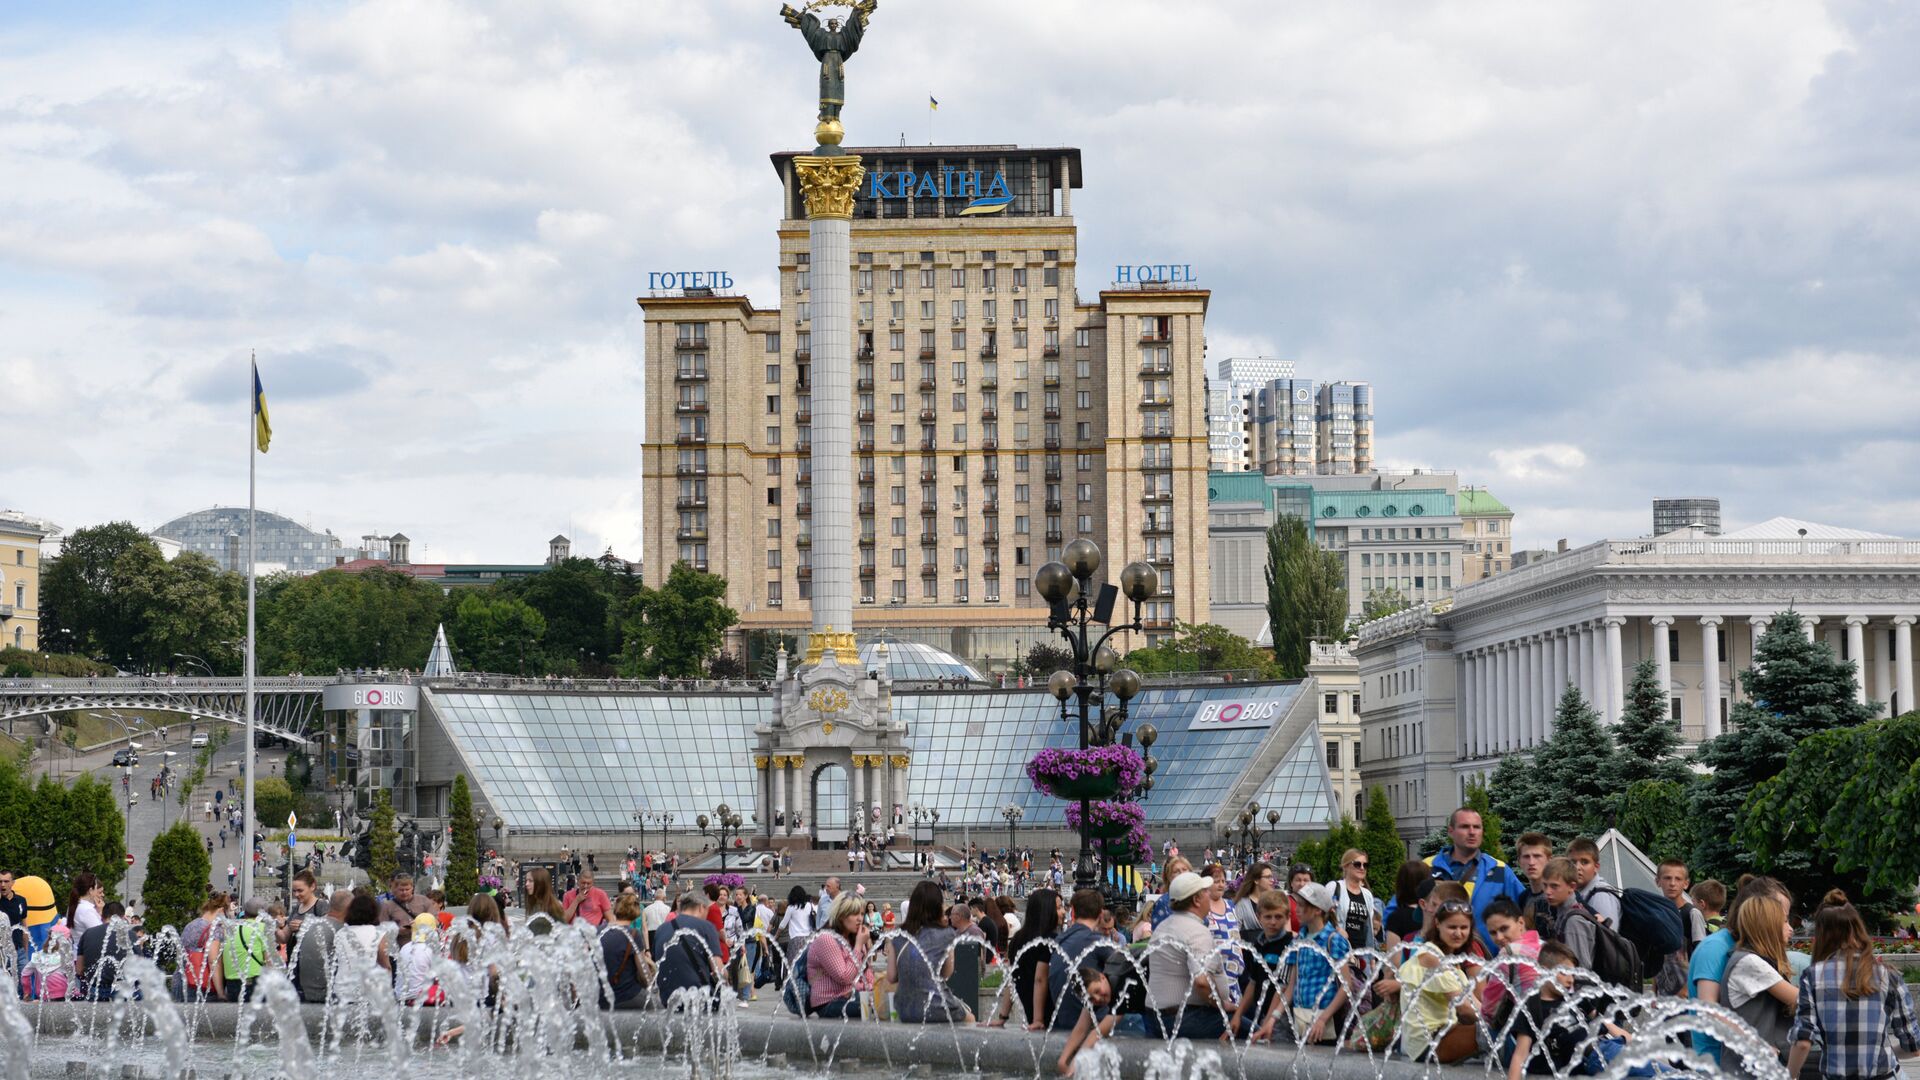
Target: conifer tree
<point>1566,790</point>
<point>1795,689</point>
<point>177,873</point>
<point>1380,839</point>
<point>1647,736</point>
<point>463,849</point>
<point>382,843</point>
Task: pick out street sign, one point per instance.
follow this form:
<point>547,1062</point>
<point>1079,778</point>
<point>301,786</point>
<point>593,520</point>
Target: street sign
<point>129,858</point>
<point>291,841</point>
<point>292,821</point>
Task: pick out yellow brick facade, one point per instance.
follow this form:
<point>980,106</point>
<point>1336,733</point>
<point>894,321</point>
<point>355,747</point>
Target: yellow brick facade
<point>996,418</point>
<point>19,585</point>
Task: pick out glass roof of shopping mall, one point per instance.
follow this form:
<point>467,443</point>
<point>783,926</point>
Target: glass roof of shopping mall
<point>587,761</point>
<point>911,661</point>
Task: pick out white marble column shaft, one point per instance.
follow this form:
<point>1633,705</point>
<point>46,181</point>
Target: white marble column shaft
<point>1663,661</point>
<point>1857,653</point>
<point>832,453</point>
<point>1710,680</point>
<point>1616,695</point>
<point>1903,663</point>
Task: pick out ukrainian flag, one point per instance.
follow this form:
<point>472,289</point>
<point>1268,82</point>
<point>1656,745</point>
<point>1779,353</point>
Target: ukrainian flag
<point>933,103</point>
<point>262,428</point>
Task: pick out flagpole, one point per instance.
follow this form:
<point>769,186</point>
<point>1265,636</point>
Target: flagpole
<point>253,446</point>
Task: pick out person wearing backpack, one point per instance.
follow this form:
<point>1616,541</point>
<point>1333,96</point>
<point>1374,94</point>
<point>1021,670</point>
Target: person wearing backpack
<point>1353,902</point>
<point>1571,924</point>
<point>1759,980</point>
<point>244,954</point>
<point>1486,878</point>
<point>1594,892</point>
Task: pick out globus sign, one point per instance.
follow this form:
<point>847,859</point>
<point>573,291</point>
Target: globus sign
<point>1236,714</point>
<point>368,696</point>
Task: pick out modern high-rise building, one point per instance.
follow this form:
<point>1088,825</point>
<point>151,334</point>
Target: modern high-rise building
<point>1231,406</point>
<point>1344,419</point>
<point>1285,431</point>
<point>1672,515</point>
<point>997,416</point>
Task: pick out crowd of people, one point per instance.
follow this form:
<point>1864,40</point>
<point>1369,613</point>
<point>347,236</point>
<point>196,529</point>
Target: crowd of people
<point>1536,966</point>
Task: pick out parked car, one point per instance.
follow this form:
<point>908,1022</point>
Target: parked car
<point>125,758</point>
<point>199,739</point>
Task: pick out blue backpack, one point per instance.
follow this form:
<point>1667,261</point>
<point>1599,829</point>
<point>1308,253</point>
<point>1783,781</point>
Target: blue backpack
<point>1652,923</point>
<point>796,994</point>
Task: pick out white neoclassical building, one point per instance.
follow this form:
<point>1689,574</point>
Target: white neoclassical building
<point>1446,691</point>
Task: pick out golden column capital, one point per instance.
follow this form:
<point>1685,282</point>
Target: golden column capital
<point>759,761</point>
<point>845,650</point>
<point>829,184</point>
<point>900,761</point>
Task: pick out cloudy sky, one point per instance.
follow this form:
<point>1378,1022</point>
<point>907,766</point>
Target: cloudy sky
<point>1587,253</point>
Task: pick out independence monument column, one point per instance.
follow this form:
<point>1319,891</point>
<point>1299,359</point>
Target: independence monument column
<point>831,718</point>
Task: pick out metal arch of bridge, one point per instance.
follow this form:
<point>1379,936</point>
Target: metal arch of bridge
<point>288,708</point>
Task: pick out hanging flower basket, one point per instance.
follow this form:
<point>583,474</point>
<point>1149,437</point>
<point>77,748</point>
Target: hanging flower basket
<point>1109,820</point>
<point>1100,772</point>
<point>1135,847</point>
<point>725,881</point>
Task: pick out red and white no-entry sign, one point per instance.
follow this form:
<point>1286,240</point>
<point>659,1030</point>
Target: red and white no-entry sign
<point>129,858</point>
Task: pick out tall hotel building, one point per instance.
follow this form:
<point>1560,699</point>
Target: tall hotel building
<point>997,416</point>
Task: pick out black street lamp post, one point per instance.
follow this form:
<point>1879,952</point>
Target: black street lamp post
<point>1065,587</point>
<point>724,822</point>
<point>1013,813</point>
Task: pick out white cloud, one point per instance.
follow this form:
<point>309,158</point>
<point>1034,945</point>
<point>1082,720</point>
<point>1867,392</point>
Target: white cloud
<point>1587,253</point>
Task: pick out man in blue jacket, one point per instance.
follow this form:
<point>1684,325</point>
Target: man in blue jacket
<point>1487,879</point>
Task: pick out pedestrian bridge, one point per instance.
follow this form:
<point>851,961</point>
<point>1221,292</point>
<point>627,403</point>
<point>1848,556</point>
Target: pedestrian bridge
<point>286,707</point>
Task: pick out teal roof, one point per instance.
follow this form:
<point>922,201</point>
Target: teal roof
<point>1239,487</point>
<point>1390,505</point>
<point>1479,502</point>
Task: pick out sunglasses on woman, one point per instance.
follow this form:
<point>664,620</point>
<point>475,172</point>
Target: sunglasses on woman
<point>1358,865</point>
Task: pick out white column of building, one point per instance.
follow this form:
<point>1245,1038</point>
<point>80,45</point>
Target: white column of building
<point>1759,623</point>
<point>903,796</point>
<point>885,773</point>
<point>1616,695</point>
<point>1903,663</point>
<point>1710,682</point>
<point>1857,652</point>
<point>777,790</point>
<point>1464,729</point>
<point>857,785</point>
<point>1523,681</point>
<point>1542,685</point>
<point>1483,725</point>
<point>1882,669</point>
<point>1559,675</point>
<point>1516,693</point>
<point>1503,738</point>
<point>1585,679</point>
<point>1811,624</point>
<point>1663,660</point>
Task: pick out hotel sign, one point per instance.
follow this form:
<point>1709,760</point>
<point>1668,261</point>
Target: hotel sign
<point>689,279</point>
<point>1156,273</point>
<point>1235,714</point>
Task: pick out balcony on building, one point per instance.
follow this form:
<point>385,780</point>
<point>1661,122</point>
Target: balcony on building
<point>989,382</point>
<point>867,508</point>
<point>992,569</point>
<point>691,438</point>
<point>991,442</point>
<point>1053,506</point>
<point>930,570</point>
<point>1051,412</point>
<point>1162,559</point>
<point>1157,497</point>
<point>928,416</point>
<point>690,502</point>
<point>804,509</point>
<point>991,540</point>
<point>929,510</point>
<point>803,540</point>
<point>1155,527</point>
<point>1155,335</point>
<point>691,374</point>
<point>865,385</point>
<point>1053,472</point>
<point>698,564</point>
<point>1050,350</point>
<point>694,533</point>
<point>803,356</point>
<point>804,480</point>
<point>989,352</point>
<point>927,385</point>
<point>1050,380</point>
<point>1055,537</point>
<point>866,447</point>
<point>864,416</point>
<point>690,407</point>
<point>690,470</point>
<point>926,354</point>
<point>1051,444</point>
<point>803,445</point>
<point>929,474</point>
<point>1155,402</point>
<point>805,572</point>
<point>926,444</point>
<point>988,412</point>
<point>695,343</point>
<point>865,353</point>
<point>1156,367</point>
<point>1157,433</point>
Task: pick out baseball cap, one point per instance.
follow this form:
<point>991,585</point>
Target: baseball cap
<point>425,921</point>
<point>1316,894</point>
<point>1186,884</point>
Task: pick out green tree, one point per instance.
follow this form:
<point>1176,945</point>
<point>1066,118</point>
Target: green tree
<point>1567,789</point>
<point>1655,815</point>
<point>577,598</point>
<point>673,630</point>
<point>1199,647</point>
<point>90,592</point>
<point>56,831</point>
<point>1647,736</point>
<point>1480,801</point>
<point>496,633</point>
<point>1045,658</point>
<point>1381,603</point>
<point>1380,839</point>
<point>177,873</point>
<point>1306,595</point>
<point>463,849</point>
<point>335,619</point>
<point>1845,802</point>
<point>1795,689</point>
<point>192,607</point>
<point>273,800</point>
<point>382,842</point>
